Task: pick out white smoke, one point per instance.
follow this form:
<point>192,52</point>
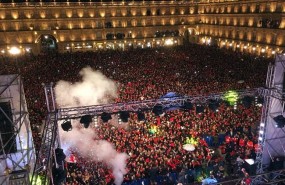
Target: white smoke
<point>94,89</point>
<point>84,142</point>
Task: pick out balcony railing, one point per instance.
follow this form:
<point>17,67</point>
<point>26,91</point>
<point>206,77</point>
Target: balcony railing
<point>102,3</point>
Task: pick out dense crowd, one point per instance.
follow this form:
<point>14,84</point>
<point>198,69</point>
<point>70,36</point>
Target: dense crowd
<point>150,73</point>
<point>219,137</point>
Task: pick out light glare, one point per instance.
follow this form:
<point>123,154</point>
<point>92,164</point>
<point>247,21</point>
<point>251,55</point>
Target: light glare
<point>14,51</point>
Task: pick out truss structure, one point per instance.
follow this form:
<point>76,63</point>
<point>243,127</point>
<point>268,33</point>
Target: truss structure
<point>271,139</point>
<point>50,141</point>
<point>273,177</point>
<point>77,112</point>
<point>17,165</point>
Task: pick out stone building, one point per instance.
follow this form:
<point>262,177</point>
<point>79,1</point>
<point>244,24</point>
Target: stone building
<point>253,26</point>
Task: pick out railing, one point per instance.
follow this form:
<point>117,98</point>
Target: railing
<point>90,3</point>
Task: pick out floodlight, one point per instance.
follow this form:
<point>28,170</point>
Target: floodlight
<point>259,101</point>
<point>231,97</point>
<point>14,51</point>
<point>86,120</point>
<point>66,126</point>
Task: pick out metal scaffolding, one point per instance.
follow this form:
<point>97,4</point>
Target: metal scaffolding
<point>271,139</point>
<point>273,177</point>
<point>15,166</point>
<point>50,141</point>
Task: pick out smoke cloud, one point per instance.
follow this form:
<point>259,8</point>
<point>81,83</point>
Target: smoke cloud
<point>94,89</point>
<point>84,142</point>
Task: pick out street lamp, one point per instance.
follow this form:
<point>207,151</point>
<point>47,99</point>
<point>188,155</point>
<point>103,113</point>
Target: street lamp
<point>14,51</point>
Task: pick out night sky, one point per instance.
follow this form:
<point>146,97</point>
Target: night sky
<point>21,1</point>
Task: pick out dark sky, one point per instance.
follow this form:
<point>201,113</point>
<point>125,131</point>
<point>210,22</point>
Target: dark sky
<point>20,1</point>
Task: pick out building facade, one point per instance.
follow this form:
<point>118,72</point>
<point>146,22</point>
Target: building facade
<point>254,26</point>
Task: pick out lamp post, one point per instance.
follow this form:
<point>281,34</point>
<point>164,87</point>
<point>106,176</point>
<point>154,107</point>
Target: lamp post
<point>14,51</point>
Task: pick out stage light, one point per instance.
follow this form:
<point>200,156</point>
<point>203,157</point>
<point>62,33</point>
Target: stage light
<point>86,120</point>
<point>141,116</point>
<point>213,105</point>
<point>280,121</point>
<point>199,109</point>
<point>124,116</point>
<point>95,121</point>
<point>231,97</point>
<point>66,126</point>
<point>187,105</point>
<point>247,101</point>
<point>105,117</point>
<point>157,110</point>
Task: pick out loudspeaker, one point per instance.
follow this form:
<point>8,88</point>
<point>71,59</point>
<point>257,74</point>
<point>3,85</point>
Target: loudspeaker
<point>60,156</point>
<point>250,166</point>
<point>59,176</point>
